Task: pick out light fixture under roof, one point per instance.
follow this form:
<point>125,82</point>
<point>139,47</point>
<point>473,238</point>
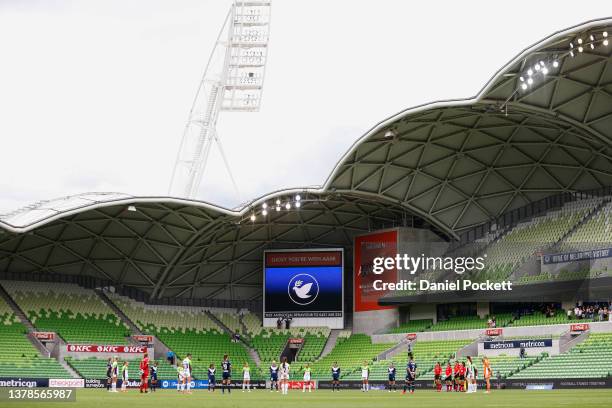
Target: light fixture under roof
<point>390,133</point>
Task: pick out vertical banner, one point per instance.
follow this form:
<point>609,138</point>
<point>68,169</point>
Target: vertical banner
<point>367,247</point>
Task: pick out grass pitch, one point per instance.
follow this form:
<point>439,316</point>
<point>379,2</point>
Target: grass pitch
<point>88,398</point>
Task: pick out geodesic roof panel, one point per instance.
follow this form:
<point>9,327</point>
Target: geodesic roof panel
<point>168,247</point>
<point>462,163</point>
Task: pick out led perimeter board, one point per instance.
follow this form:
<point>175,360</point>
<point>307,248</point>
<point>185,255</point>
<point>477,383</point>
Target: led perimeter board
<point>305,285</point>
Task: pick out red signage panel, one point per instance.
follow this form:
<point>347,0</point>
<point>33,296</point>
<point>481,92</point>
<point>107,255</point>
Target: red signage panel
<point>367,248</point>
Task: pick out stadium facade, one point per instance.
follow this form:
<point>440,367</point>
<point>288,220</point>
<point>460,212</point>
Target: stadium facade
<point>523,170</point>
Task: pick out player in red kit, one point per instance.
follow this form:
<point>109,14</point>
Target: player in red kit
<point>449,377</point>
<point>438,377</point>
<point>144,373</point>
<point>457,374</point>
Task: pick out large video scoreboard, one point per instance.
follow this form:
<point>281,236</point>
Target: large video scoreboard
<point>304,285</point>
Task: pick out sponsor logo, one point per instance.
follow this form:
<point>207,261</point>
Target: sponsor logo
<point>45,336</point>
<point>66,383</point>
<point>411,336</point>
<point>296,341</point>
<point>513,344</point>
<point>303,289</point>
<point>143,338</point>
<point>95,383</point>
<point>493,332</point>
<point>93,348</point>
<point>579,327</point>
<point>23,382</point>
<point>195,384</point>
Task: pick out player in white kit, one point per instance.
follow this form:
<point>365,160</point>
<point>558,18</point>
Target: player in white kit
<point>246,377</point>
<point>307,379</point>
<point>187,372</point>
<point>284,376</point>
<point>124,377</point>
<point>365,377</point>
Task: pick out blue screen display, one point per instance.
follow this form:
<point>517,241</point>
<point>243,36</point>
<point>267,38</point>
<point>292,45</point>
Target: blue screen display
<point>303,291</point>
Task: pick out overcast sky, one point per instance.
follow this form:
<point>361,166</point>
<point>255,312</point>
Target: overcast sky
<point>94,95</point>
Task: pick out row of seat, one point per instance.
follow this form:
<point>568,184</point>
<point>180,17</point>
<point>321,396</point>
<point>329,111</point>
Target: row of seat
<point>77,314</point>
<point>19,358</point>
<point>589,359</point>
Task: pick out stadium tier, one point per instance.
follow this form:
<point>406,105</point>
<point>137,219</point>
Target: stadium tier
<point>538,318</point>
<point>511,249</point>
<point>413,326</point>
<point>350,353</point>
<point>589,359</point>
<point>153,319</point>
<point>460,323</point>
<point>312,347</point>
<point>19,358</point>
<point>76,314</point>
<point>596,232</point>
<point>229,318</point>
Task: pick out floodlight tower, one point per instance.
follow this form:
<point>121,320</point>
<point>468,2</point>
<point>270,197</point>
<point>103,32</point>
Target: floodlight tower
<point>233,81</point>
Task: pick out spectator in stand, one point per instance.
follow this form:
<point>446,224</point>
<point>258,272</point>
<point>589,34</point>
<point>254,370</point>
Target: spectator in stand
<point>170,357</point>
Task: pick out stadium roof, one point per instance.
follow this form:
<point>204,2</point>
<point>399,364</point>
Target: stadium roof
<point>448,165</point>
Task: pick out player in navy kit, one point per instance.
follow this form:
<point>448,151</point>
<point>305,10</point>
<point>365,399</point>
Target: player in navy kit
<point>391,371</point>
<point>411,368</point>
<point>154,377</point>
<point>335,370</point>
<point>109,375</point>
<point>212,382</point>
<point>226,366</point>
<point>273,376</point>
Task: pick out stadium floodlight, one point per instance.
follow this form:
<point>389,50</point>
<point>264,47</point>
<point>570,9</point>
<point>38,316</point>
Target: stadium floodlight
<point>389,133</point>
<point>233,81</point>
<point>279,204</point>
<point>131,208</point>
